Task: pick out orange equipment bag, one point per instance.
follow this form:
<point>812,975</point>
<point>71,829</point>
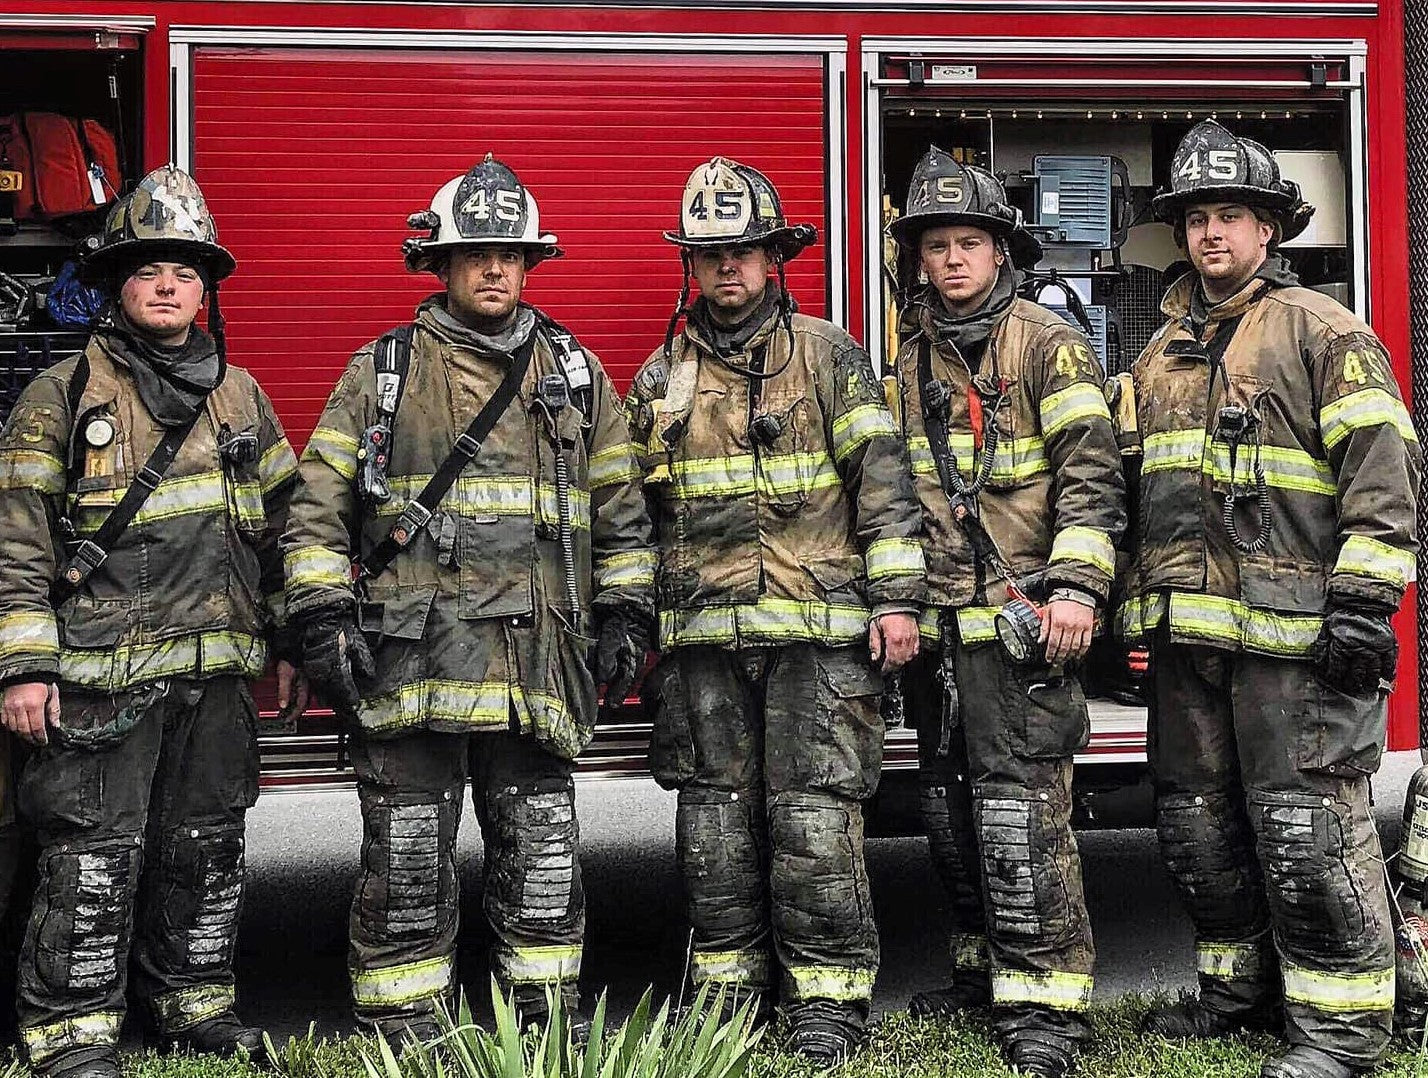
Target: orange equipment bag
<point>65,165</point>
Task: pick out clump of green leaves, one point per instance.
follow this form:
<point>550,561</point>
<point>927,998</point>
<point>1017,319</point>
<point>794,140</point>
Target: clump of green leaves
<point>694,1043</point>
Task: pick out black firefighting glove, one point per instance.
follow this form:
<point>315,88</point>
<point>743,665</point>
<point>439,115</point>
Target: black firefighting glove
<point>621,640</point>
<point>335,657</point>
<point>1356,648</point>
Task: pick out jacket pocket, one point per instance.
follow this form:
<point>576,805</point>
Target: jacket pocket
<point>839,731</point>
<point>1282,584</point>
<point>838,578</point>
<point>86,622</point>
<point>396,627</point>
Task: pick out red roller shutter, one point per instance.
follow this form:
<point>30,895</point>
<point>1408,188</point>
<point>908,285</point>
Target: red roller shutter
<point>312,159</point>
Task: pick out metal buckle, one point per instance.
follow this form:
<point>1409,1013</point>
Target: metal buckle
<point>467,446</point>
<point>149,478</point>
<point>88,556</point>
<point>413,519</point>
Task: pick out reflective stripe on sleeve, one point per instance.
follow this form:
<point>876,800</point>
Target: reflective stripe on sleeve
<point>1365,408</point>
<point>317,567</point>
<point>1088,545</point>
<point>390,986</point>
<point>1079,401</point>
<point>829,982</point>
<point>614,464</point>
<point>277,466</point>
<point>860,425</point>
<point>30,469</point>
<point>626,569</point>
<point>1062,991</point>
<point>1372,991</point>
<point>335,449</point>
<point>1363,556</point>
<point>894,557</point>
<point>29,632</point>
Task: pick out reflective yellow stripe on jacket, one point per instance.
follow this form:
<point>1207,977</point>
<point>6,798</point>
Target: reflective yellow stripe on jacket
<point>1079,401</point>
<point>614,464</point>
<point>768,620</point>
<point>1012,462</point>
<point>29,469</point>
<point>119,668</point>
<point>29,632</point>
<point>632,567</point>
<point>317,567</point>
<point>1216,619</point>
<point>1366,408</point>
<point>1089,545</point>
<point>335,448</point>
<point>277,466</point>
<point>894,557</point>
<point>1362,556</point>
<point>474,495</point>
<point>1196,451</point>
<point>774,475</point>
<point>859,425</point>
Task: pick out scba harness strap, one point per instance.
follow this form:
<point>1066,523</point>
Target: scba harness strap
<point>393,362</point>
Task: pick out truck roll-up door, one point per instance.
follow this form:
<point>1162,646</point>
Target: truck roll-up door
<point>311,160</point>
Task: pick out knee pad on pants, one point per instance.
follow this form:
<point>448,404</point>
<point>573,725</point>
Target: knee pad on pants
<point>1024,838</point>
<point>954,850</point>
<point>78,940</point>
<point>722,851</point>
<point>820,884</point>
<point>202,875</point>
<point>533,875</point>
<point>408,886</point>
<point>1208,850</point>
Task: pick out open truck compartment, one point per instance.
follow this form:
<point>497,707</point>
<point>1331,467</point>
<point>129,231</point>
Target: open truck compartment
<point>70,128</point>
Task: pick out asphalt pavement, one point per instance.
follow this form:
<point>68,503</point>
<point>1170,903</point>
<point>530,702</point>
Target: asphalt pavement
<point>303,853</point>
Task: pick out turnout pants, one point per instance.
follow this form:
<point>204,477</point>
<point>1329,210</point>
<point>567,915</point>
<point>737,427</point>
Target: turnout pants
<point>138,802</point>
<point>995,772</point>
<point>1262,809</point>
<point>404,922</point>
<point>773,751</point>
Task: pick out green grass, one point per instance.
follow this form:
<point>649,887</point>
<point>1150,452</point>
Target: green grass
<point>900,1047</point>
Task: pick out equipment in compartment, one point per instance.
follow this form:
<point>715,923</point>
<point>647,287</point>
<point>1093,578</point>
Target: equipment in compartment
<point>1081,202</point>
<point>23,355</point>
<point>65,165</point>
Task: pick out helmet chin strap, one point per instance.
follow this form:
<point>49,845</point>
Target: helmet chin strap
<point>682,307</point>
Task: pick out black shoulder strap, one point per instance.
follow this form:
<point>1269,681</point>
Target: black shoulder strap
<point>984,548</point>
<point>91,553</point>
<point>421,508</point>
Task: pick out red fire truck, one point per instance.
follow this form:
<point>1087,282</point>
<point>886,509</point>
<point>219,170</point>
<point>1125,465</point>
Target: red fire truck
<point>315,127</point>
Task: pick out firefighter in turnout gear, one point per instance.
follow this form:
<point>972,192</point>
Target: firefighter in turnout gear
<point>1274,540</point>
<point>788,554</point>
<point>1017,469</point>
<point>495,555</point>
<point>143,490</point>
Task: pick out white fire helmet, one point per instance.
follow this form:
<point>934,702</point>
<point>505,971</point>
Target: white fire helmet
<point>487,205</point>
